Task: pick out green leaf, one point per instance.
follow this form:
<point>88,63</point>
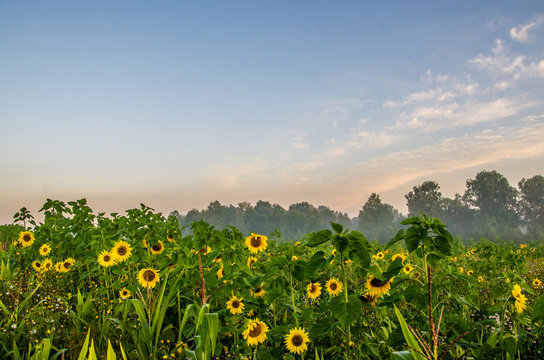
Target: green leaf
<point>316,261</point>
<point>298,270</point>
<point>344,312</point>
<point>412,220</point>
<point>409,337</point>
<point>340,242</point>
<point>401,355</point>
<point>359,245</point>
<point>85,348</point>
<point>319,238</point>
<point>110,355</point>
<point>398,237</point>
<point>393,270</point>
<point>413,236</point>
<point>338,228</point>
<point>538,310</point>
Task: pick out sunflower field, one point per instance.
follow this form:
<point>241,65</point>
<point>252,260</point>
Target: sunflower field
<point>80,285</point>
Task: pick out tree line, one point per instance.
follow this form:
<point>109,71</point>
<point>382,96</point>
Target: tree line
<point>489,207</point>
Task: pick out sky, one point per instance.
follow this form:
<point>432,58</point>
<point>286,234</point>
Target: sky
<point>175,104</point>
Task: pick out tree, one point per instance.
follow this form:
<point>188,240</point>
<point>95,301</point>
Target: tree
<point>491,194</point>
<point>532,202</point>
<point>458,216</point>
<point>425,199</point>
<point>376,219</point>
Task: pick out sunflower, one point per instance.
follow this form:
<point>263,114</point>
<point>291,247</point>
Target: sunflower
<point>220,273</point>
<point>148,278</point>
<point>121,251</point>
<point>251,261</point>
<point>259,291</point>
<point>296,341</point>
<point>124,293</point>
<point>407,269</point>
<point>481,279</point>
<point>219,258</point>
<point>26,238</point>
<point>378,287</point>
<point>180,346</point>
<point>205,250</point>
<point>334,252</point>
<point>255,333</point>
<point>170,238</point>
<point>37,265</point>
<point>256,243</point>
<point>369,298</point>
<point>333,286</point>
<point>58,267</point>
<point>460,268</point>
<point>518,251</point>
<point>516,291</point>
<point>470,272</point>
<point>66,265</point>
<point>294,258</point>
<point>45,249</point>
<point>157,248</point>
<point>520,303</point>
<point>533,250</point>
<point>105,259</point>
<point>47,264</point>
<point>378,256</point>
<point>313,290</point>
<point>537,283</point>
<point>402,257</point>
<point>235,305</point>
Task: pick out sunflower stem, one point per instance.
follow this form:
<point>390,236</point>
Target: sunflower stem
<point>203,290</point>
<point>345,281</point>
<point>293,296</point>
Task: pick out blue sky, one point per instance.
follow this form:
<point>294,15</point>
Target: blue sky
<point>177,103</point>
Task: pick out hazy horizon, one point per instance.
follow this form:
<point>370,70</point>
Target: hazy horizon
<point>178,104</point>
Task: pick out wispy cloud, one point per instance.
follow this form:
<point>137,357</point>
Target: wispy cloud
<point>521,33</point>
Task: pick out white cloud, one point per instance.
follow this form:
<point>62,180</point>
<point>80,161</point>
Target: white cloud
<point>299,142</point>
<point>521,33</point>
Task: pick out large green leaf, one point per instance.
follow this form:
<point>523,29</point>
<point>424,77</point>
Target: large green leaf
<point>338,228</point>
<point>340,242</point>
<point>346,313</point>
<point>319,238</point>
<point>409,337</point>
<point>359,245</point>
<point>316,261</point>
<point>538,310</point>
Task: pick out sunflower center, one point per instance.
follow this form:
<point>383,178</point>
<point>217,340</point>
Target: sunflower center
<point>297,340</point>
<point>38,264</point>
<point>377,282</point>
<point>256,331</point>
<point>258,289</point>
<point>26,237</point>
<point>149,275</point>
<point>333,286</point>
<point>66,265</point>
<point>235,304</point>
<point>313,288</point>
<point>157,247</point>
<point>125,293</point>
<point>107,258</point>
<point>122,250</point>
<point>256,241</point>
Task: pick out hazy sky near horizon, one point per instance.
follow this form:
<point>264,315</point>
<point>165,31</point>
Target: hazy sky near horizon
<point>178,103</point>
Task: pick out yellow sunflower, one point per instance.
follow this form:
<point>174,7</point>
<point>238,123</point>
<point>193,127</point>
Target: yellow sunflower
<point>124,293</point>
<point>407,269</point>
<point>481,279</point>
<point>205,250</point>
<point>66,265</point>
<point>255,333</point>
<point>121,251</point>
<point>402,257</point>
<point>219,258</point>
<point>148,278</point>
<point>259,291</point>
<point>157,248</point>
<point>105,259</point>
<point>256,243</point>
<point>369,298</point>
<point>170,238</point>
<point>45,249</point>
<point>470,272</point>
<point>26,238</point>
<point>235,305</point>
<point>533,250</point>
<point>37,265</point>
<point>378,287</point>
<point>333,286</point>
<point>294,258</point>
<point>537,283</point>
<point>460,268</point>
<point>220,273</point>
<point>251,261</point>
<point>313,290</point>
<point>47,264</point>
<point>296,341</point>
<point>58,267</point>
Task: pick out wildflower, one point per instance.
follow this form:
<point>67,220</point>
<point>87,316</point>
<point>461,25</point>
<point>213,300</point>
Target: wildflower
<point>402,257</point>
<point>256,243</point>
<point>313,290</point>
<point>235,305</point>
<point>124,293</point>
<point>294,258</point>
<point>105,259</point>
<point>334,287</point>
<point>157,248</point>
<point>47,265</point>
<point>296,341</point>
<point>407,269</point>
<point>251,261</point>
<point>121,251</point>
<point>378,287</point>
<point>220,273</point>
<point>37,265</point>
<point>259,291</point>
<point>378,256</point>
<point>255,333</point>
<point>26,238</point>
<point>148,278</point>
<point>45,249</point>
<point>460,268</point>
<point>470,272</point>
<point>537,283</point>
<point>480,279</point>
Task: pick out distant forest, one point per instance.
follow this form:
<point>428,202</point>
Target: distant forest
<point>489,208</point>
